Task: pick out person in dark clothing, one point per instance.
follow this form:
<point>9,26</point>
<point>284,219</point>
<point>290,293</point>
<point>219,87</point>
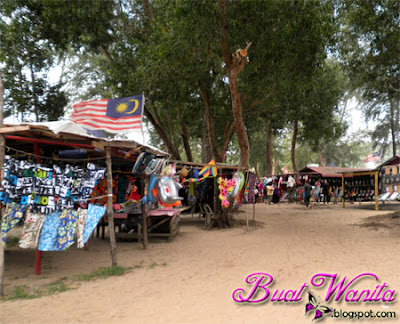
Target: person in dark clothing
<point>325,192</point>
<point>275,196</point>
<point>307,194</point>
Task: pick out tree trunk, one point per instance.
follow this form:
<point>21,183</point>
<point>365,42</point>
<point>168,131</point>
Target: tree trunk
<point>393,127</point>
<point>171,149</point>
<point>35,101</point>
<point>293,149</point>
<point>208,122</point>
<point>206,154</point>
<point>239,123</point>
<point>269,149</point>
<point>322,157</point>
<point>185,140</point>
<point>235,63</point>
<point>221,156</point>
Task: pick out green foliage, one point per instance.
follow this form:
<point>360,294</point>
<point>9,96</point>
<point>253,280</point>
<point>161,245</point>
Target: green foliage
<point>26,58</point>
<point>21,292</point>
<point>369,49</point>
<point>102,273</point>
<point>57,286</point>
<point>171,51</point>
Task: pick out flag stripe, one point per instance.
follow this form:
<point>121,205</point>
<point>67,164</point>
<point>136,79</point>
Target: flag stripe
<point>89,109</point>
<point>94,125</point>
<point>107,122</point>
<point>91,102</point>
<point>99,116</point>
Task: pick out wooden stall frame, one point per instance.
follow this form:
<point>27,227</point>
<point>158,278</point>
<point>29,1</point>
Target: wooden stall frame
<point>352,174</point>
<point>2,148</point>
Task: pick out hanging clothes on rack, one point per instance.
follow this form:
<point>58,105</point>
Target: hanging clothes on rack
<point>66,229</point>
<point>12,215</point>
<point>95,213</point>
<point>30,234</point>
<point>48,235</point>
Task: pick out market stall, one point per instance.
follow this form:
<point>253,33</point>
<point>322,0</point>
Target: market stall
<point>360,186</point>
<point>52,169</point>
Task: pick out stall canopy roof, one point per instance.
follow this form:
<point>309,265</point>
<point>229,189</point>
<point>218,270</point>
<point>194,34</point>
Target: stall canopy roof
<point>392,161</point>
<point>329,172</point>
<point>68,131</point>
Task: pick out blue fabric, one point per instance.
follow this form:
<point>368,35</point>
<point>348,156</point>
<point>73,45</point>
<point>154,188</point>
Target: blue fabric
<point>12,215</point>
<point>66,229</point>
<point>48,235</point>
<point>95,213</point>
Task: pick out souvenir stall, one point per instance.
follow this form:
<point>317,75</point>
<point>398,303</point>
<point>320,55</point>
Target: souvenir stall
<point>206,188</point>
<point>56,183</point>
<point>389,180</point>
<point>360,186</point>
<point>331,175</point>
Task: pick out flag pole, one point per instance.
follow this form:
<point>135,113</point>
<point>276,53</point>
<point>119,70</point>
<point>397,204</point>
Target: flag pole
<point>2,144</point>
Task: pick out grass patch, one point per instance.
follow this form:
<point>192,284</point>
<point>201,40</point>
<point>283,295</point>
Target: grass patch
<point>62,284</point>
<point>164,264</point>
<point>22,292</point>
<point>139,265</point>
<point>57,286</point>
<point>153,265</point>
<point>12,241</point>
<point>102,273</point>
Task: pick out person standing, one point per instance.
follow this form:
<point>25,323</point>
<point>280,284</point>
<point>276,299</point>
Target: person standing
<point>325,191</point>
<point>307,194</point>
<point>270,192</point>
<point>291,187</point>
<point>317,190</point>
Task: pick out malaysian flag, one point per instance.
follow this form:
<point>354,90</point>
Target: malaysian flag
<point>374,157</point>
<point>111,115</point>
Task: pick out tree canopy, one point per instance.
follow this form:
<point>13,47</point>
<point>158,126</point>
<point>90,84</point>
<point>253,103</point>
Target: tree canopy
<point>229,80</point>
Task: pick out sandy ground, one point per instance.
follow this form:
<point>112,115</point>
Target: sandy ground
<point>192,278</point>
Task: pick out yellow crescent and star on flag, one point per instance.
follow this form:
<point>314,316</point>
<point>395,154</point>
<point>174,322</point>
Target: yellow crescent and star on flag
<point>125,107</point>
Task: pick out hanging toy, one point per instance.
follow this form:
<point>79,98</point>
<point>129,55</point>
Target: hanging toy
<point>210,170</point>
<point>238,177</point>
<point>225,187</point>
<point>168,192</point>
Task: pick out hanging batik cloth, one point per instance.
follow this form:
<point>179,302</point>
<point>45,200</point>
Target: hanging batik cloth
<point>95,213</point>
<point>12,215</point>
<point>80,226</point>
<point>30,234</point>
<point>48,235</point>
<point>66,229</point>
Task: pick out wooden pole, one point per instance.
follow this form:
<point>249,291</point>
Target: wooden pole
<point>343,190</point>
<point>376,190</point>
<point>110,212</point>
<point>2,144</point>
<point>144,214</point>
<point>38,257</point>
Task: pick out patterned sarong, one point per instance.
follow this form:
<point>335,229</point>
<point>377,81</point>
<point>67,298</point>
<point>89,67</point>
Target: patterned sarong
<point>30,234</point>
<point>95,213</point>
<point>12,215</point>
